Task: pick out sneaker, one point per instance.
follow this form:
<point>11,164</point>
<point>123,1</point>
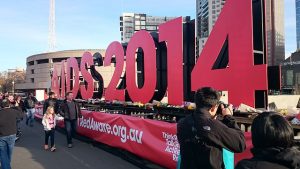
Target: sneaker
<point>46,147</point>
<point>52,149</point>
<point>70,145</point>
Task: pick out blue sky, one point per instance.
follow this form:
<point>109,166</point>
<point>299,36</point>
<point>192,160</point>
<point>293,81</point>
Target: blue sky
<point>86,24</point>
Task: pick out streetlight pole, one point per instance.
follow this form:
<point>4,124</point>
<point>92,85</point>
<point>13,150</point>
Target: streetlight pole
<point>51,75</point>
<point>13,87</point>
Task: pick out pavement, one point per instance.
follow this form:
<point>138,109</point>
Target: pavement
<point>29,153</point>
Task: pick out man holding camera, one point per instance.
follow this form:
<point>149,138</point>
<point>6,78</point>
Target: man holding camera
<point>202,136</point>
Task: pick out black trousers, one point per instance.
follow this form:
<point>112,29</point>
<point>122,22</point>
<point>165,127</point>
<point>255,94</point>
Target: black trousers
<point>50,134</point>
<point>70,126</point>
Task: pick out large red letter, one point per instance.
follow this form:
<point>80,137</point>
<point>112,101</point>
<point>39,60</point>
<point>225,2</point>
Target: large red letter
<point>63,79</point>
<point>241,78</point>
<point>72,64</point>
<point>112,93</point>
<point>54,81</point>
<point>171,32</point>
<point>143,40</point>
<point>87,90</point>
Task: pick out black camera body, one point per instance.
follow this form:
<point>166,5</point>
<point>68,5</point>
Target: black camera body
<point>219,110</point>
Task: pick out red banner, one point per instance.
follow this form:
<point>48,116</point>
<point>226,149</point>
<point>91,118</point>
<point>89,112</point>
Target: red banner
<point>149,139</point>
<point>152,140</point>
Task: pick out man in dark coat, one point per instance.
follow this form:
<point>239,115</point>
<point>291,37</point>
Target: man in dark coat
<point>51,101</point>
<point>70,110</point>
<point>202,137</point>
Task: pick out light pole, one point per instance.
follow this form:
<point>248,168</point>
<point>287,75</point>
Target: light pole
<point>13,87</point>
<point>51,75</point>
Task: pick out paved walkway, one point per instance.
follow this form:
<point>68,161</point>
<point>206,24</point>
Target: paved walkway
<point>29,154</point>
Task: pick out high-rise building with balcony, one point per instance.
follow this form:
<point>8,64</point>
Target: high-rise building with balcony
<point>132,22</point>
<point>207,13</point>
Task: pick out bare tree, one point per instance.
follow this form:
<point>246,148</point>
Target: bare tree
<point>8,78</point>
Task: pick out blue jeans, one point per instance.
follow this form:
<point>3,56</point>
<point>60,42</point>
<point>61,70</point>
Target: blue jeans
<point>70,126</point>
<point>30,116</point>
<point>7,144</point>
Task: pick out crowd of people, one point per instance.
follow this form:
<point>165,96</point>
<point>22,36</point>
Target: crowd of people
<point>202,135</point>
<point>13,109</point>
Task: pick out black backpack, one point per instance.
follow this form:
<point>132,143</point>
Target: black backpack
<point>30,103</point>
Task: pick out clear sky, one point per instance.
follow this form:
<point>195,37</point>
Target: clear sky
<point>90,24</point>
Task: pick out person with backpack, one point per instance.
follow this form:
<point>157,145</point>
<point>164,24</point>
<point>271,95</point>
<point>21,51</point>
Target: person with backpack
<point>203,137</point>
<point>30,102</point>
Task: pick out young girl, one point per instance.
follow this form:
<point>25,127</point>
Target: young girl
<point>49,122</point>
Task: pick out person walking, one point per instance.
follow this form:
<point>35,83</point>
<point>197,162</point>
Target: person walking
<point>8,130</point>
<point>70,110</point>
<point>30,102</point>
<point>19,105</point>
<point>49,123</point>
<point>51,101</point>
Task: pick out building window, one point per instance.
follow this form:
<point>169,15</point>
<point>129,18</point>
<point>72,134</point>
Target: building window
<point>32,80</point>
<point>137,28</point>
<point>32,71</point>
<point>42,61</point>
<point>289,77</point>
<point>55,60</point>
<point>30,63</point>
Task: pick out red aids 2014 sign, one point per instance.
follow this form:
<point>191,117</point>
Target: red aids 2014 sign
<point>234,38</point>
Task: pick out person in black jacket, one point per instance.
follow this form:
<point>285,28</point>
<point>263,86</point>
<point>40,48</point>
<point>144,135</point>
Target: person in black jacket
<point>30,102</point>
<point>19,105</point>
<point>202,137</point>
<point>70,110</point>
<point>51,101</point>
<point>273,144</point>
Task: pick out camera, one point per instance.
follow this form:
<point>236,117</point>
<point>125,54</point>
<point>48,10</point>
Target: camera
<point>219,110</point>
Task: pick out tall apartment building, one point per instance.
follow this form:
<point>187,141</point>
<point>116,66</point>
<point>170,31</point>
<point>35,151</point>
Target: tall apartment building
<point>275,31</point>
<point>207,12</point>
<point>298,23</point>
<point>132,22</point>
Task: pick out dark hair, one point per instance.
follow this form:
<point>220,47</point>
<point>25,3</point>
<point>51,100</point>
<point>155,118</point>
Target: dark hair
<point>18,96</point>
<point>206,97</point>
<point>51,93</point>
<point>270,129</point>
<point>5,103</point>
<point>68,93</point>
